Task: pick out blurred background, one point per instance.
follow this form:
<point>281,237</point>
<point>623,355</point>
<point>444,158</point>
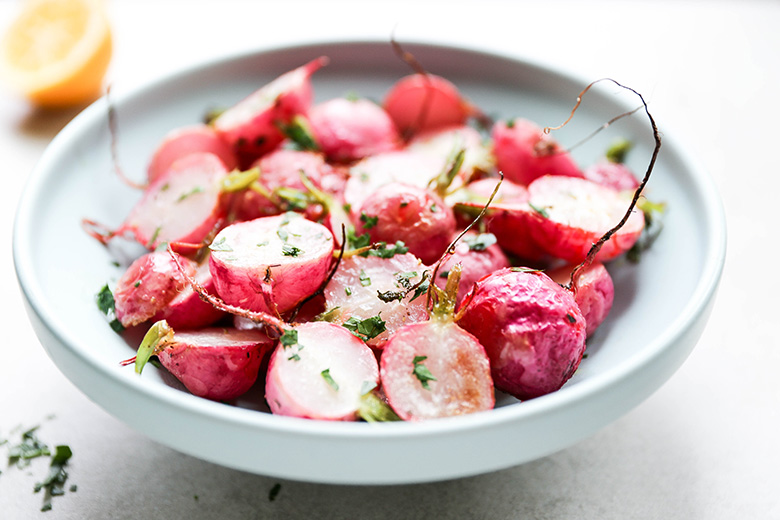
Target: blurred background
<point>704,446</point>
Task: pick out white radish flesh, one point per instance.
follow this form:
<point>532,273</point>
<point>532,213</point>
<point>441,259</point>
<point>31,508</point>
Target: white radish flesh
<point>187,310</point>
<point>184,204</point>
<point>572,214</point>
<point>270,264</point>
<point>435,369</point>
<point>185,141</point>
<point>354,290</point>
<point>322,375</point>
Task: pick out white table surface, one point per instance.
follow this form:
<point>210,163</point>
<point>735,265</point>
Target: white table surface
<point>704,446</point>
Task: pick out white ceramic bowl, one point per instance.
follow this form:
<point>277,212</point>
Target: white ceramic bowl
<point>661,304</point>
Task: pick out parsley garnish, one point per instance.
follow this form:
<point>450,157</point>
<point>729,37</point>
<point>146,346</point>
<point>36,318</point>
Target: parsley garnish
<point>540,210</point>
<point>274,492</point>
<point>220,245</point>
<point>365,281</point>
<point>421,371</point>
<point>348,291</point>
<point>386,251</point>
<point>366,329</point>
<point>54,483</point>
<point>329,379</point>
<point>289,338</point>
<point>357,242</point>
<point>193,191</point>
<point>368,222</point>
<point>291,250</point>
<point>30,448</point>
<point>570,318</point>
<point>390,296</point>
<point>105,302</point>
<point>480,242</point>
<point>421,289</point>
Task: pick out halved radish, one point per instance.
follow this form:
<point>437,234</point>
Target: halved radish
<point>187,140</point>
<point>320,371</point>
<point>251,128</point>
<point>444,142</point>
<point>380,289</point>
<point>270,264</point>
<point>571,214</point>
<point>187,310</point>
<point>148,286</point>
<point>182,205</point>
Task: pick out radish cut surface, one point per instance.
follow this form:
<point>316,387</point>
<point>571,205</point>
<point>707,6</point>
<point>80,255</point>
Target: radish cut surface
<point>572,214</point>
<point>216,363</point>
<point>355,289</point>
<point>183,205</point>
<point>322,375</point>
<point>436,369</point>
<point>270,264</point>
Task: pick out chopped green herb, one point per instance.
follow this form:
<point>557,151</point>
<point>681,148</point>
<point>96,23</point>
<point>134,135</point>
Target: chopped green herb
<point>390,296</point>
<point>571,318</point>
<point>263,243</point>
<point>480,242</point>
<point>289,338</point>
<point>421,371</point>
<point>366,329</point>
<point>617,152</point>
<point>153,239</point>
<point>137,283</point>
<point>329,379</point>
<point>105,302</point>
<point>542,211</point>
<point>421,289</point>
<point>299,132</point>
<point>348,291</point>
<point>434,209</point>
<point>365,281</point>
<point>220,245</point>
<point>291,250</point>
<point>54,483</point>
<point>187,194</point>
<point>274,492</point>
<point>356,242</point>
<point>294,357</point>
<point>403,204</point>
<point>386,251</point>
<point>368,222</point>
<point>404,279</point>
<point>283,234</point>
<point>30,448</point>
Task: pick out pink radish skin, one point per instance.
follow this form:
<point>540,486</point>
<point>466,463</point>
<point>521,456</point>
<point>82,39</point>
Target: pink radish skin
<point>346,296</point>
<point>455,358</point>
<point>403,166</point>
<point>475,264</point>
<point>148,286</point>
<point>421,102</point>
<point>295,384</point>
<point>270,264</point>
<point>509,218</point>
<point>532,329</point>
<point>594,293</point>
<point>347,130</point>
<point>576,214</point>
<point>187,310</point>
<point>184,204</point>
<point>281,168</point>
<point>217,363</point>
<point>612,174</point>
<point>187,140</point>
<point>416,216</point>
<point>524,152</point>
<point>250,126</point>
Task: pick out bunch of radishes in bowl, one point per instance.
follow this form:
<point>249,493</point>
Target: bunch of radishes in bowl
<point>371,261</point>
